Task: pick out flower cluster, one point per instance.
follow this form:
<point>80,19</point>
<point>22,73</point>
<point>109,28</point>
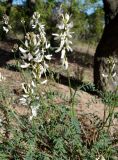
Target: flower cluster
<point>5,21</point>
<point>29,98</point>
<point>40,29</point>
<point>64,37</point>
<point>111,74</point>
<point>34,51</point>
<point>36,24</point>
<point>28,93</point>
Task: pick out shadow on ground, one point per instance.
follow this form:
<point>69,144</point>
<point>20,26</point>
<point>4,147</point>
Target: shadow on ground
<point>83,59</point>
<point>5,56</point>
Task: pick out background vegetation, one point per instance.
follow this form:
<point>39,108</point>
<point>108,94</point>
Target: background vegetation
<point>88,16</point>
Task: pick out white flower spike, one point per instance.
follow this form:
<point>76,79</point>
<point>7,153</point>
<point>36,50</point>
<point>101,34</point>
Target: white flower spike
<point>64,37</point>
<point>34,56</point>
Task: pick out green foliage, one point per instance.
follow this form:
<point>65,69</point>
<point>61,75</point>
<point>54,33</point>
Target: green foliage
<point>54,134</point>
<point>86,27</point>
<point>2,10</point>
<point>18,14</point>
<point>96,23</point>
<point>110,99</point>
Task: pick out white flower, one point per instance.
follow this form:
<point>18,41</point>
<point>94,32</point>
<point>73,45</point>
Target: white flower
<point>44,82</point>
<point>61,46</point>
<point>48,57</point>
<point>56,35</point>
<point>38,58</point>
<point>22,50</point>
<point>29,57</point>
<point>23,101</point>
<point>70,25</point>
<point>26,44</point>
<point>2,78</point>
<point>63,53</point>
<point>69,48</point>
<point>67,17</point>
<point>5,29</point>
<point>24,56</point>
<point>37,51</point>
<point>33,84</point>
<point>1,122</point>
<point>22,21</point>
<point>104,75</point>
<point>25,65</point>
<point>24,88</point>
<point>34,110</point>
<point>114,74</point>
<point>60,26</point>
<point>47,45</point>
<point>25,95</point>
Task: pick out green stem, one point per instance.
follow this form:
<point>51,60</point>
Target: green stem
<point>71,94</point>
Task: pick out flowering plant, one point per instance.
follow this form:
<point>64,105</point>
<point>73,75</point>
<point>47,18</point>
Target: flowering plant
<point>111,72</point>
<point>34,54</point>
<point>6,25</point>
<point>64,38</point>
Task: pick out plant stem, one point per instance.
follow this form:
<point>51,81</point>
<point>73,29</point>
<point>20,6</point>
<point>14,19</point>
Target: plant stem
<point>71,94</point>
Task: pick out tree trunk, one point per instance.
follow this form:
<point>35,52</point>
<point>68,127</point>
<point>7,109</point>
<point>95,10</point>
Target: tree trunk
<point>8,9</point>
<point>106,56</point>
<point>31,4</point>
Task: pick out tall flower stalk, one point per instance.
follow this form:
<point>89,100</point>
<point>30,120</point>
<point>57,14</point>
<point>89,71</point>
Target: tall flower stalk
<point>64,38</point>
<point>34,54</point>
